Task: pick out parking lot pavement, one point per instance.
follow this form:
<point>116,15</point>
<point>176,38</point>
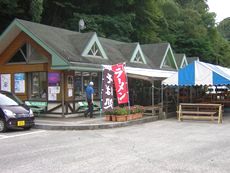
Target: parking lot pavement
<point>164,146</point>
<point>18,132</point>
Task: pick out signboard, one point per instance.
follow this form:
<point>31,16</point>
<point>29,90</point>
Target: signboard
<point>19,82</point>
<point>107,89</point>
<point>52,92</point>
<point>54,79</point>
<point>120,83</point>
<point>6,82</point>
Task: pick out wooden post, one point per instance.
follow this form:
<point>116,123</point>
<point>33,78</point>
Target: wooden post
<point>162,94</point>
<point>152,92</point>
<point>179,113</point>
<point>152,96</point>
<point>63,93</point>
<point>220,114</point>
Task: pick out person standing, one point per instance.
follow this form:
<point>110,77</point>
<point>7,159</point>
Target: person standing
<point>89,96</point>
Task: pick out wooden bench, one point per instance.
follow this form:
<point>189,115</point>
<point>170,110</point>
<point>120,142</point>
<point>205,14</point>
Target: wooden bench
<point>37,106</point>
<point>200,111</point>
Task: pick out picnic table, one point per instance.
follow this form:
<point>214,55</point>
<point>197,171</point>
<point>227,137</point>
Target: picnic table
<point>37,106</point>
<point>83,106</point>
<point>200,111</point>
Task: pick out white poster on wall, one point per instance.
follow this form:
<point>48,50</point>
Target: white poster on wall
<point>70,92</point>
<point>54,89</point>
<point>6,82</point>
<point>52,96</point>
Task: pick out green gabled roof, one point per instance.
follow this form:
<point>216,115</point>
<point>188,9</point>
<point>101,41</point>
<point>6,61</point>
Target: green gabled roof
<point>67,47</point>
<point>111,48</point>
<point>155,52</point>
<point>127,49</point>
<point>118,52</point>
<point>94,41</point>
<point>158,53</point>
<point>41,34</point>
<point>180,59</point>
<point>67,44</point>
<point>191,59</point>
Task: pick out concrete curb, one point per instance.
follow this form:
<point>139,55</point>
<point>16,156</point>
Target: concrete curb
<point>94,126</point>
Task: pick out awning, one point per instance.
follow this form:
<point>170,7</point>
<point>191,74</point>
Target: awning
<point>151,73</point>
<point>200,73</point>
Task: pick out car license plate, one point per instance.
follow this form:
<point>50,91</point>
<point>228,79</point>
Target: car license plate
<point>21,123</point>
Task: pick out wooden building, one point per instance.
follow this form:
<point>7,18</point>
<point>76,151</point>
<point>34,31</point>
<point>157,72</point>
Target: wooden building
<point>46,64</point>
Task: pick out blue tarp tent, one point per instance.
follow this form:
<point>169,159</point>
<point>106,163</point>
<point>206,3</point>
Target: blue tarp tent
<point>200,73</point>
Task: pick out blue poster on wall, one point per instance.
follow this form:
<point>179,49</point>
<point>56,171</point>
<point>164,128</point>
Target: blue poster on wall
<point>19,82</point>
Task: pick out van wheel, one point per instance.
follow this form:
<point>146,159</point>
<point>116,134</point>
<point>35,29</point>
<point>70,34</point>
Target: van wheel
<point>2,125</point>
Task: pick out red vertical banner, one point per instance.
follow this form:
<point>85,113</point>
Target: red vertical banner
<point>120,83</point>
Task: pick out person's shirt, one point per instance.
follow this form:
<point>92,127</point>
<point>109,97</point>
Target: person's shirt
<point>89,91</point>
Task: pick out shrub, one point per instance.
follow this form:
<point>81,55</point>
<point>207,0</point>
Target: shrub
<point>125,110</point>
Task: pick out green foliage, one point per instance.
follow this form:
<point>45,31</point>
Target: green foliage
<point>117,27</point>
<point>7,7</point>
<point>146,24</point>
<point>36,10</point>
<point>126,110</point>
<point>185,24</point>
<point>10,9</point>
<point>224,28</point>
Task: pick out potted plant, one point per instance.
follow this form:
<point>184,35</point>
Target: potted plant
<point>125,113</point>
<point>120,114</point>
<point>136,112</point>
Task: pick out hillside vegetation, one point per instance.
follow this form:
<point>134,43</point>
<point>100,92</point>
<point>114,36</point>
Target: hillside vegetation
<point>185,24</point>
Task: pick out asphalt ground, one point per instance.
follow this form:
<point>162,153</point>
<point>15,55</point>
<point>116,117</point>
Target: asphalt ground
<point>164,146</point>
<point>79,122</point>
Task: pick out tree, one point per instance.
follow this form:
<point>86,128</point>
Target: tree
<point>118,27</point>
<point>36,10</point>
<point>147,20</point>
<point>9,10</point>
<point>185,24</point>
<point>224,28</point>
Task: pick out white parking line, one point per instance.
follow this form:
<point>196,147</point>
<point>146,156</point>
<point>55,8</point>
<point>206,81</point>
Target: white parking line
<point>24,134</point>
<point>2,136</point>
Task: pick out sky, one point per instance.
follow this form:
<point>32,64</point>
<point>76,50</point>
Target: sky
<point>221,8</point>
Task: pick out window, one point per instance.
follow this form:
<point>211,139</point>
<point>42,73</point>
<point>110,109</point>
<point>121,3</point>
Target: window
<point>94,51</point>
<point>78,85</point>
<point>28,54</point>
<point>38,85</point>
<point>20,55</point>
<point>138,58</point>
<point>166,62</point>
<point>81,81</point>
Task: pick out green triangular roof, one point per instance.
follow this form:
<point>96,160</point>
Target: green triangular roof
<point>157,53</point>
<point>180,59</point>
<point>66,46</point>
<point>191,59</point>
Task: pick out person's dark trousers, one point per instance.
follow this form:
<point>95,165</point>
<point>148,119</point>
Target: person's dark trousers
<point>90,108</point>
